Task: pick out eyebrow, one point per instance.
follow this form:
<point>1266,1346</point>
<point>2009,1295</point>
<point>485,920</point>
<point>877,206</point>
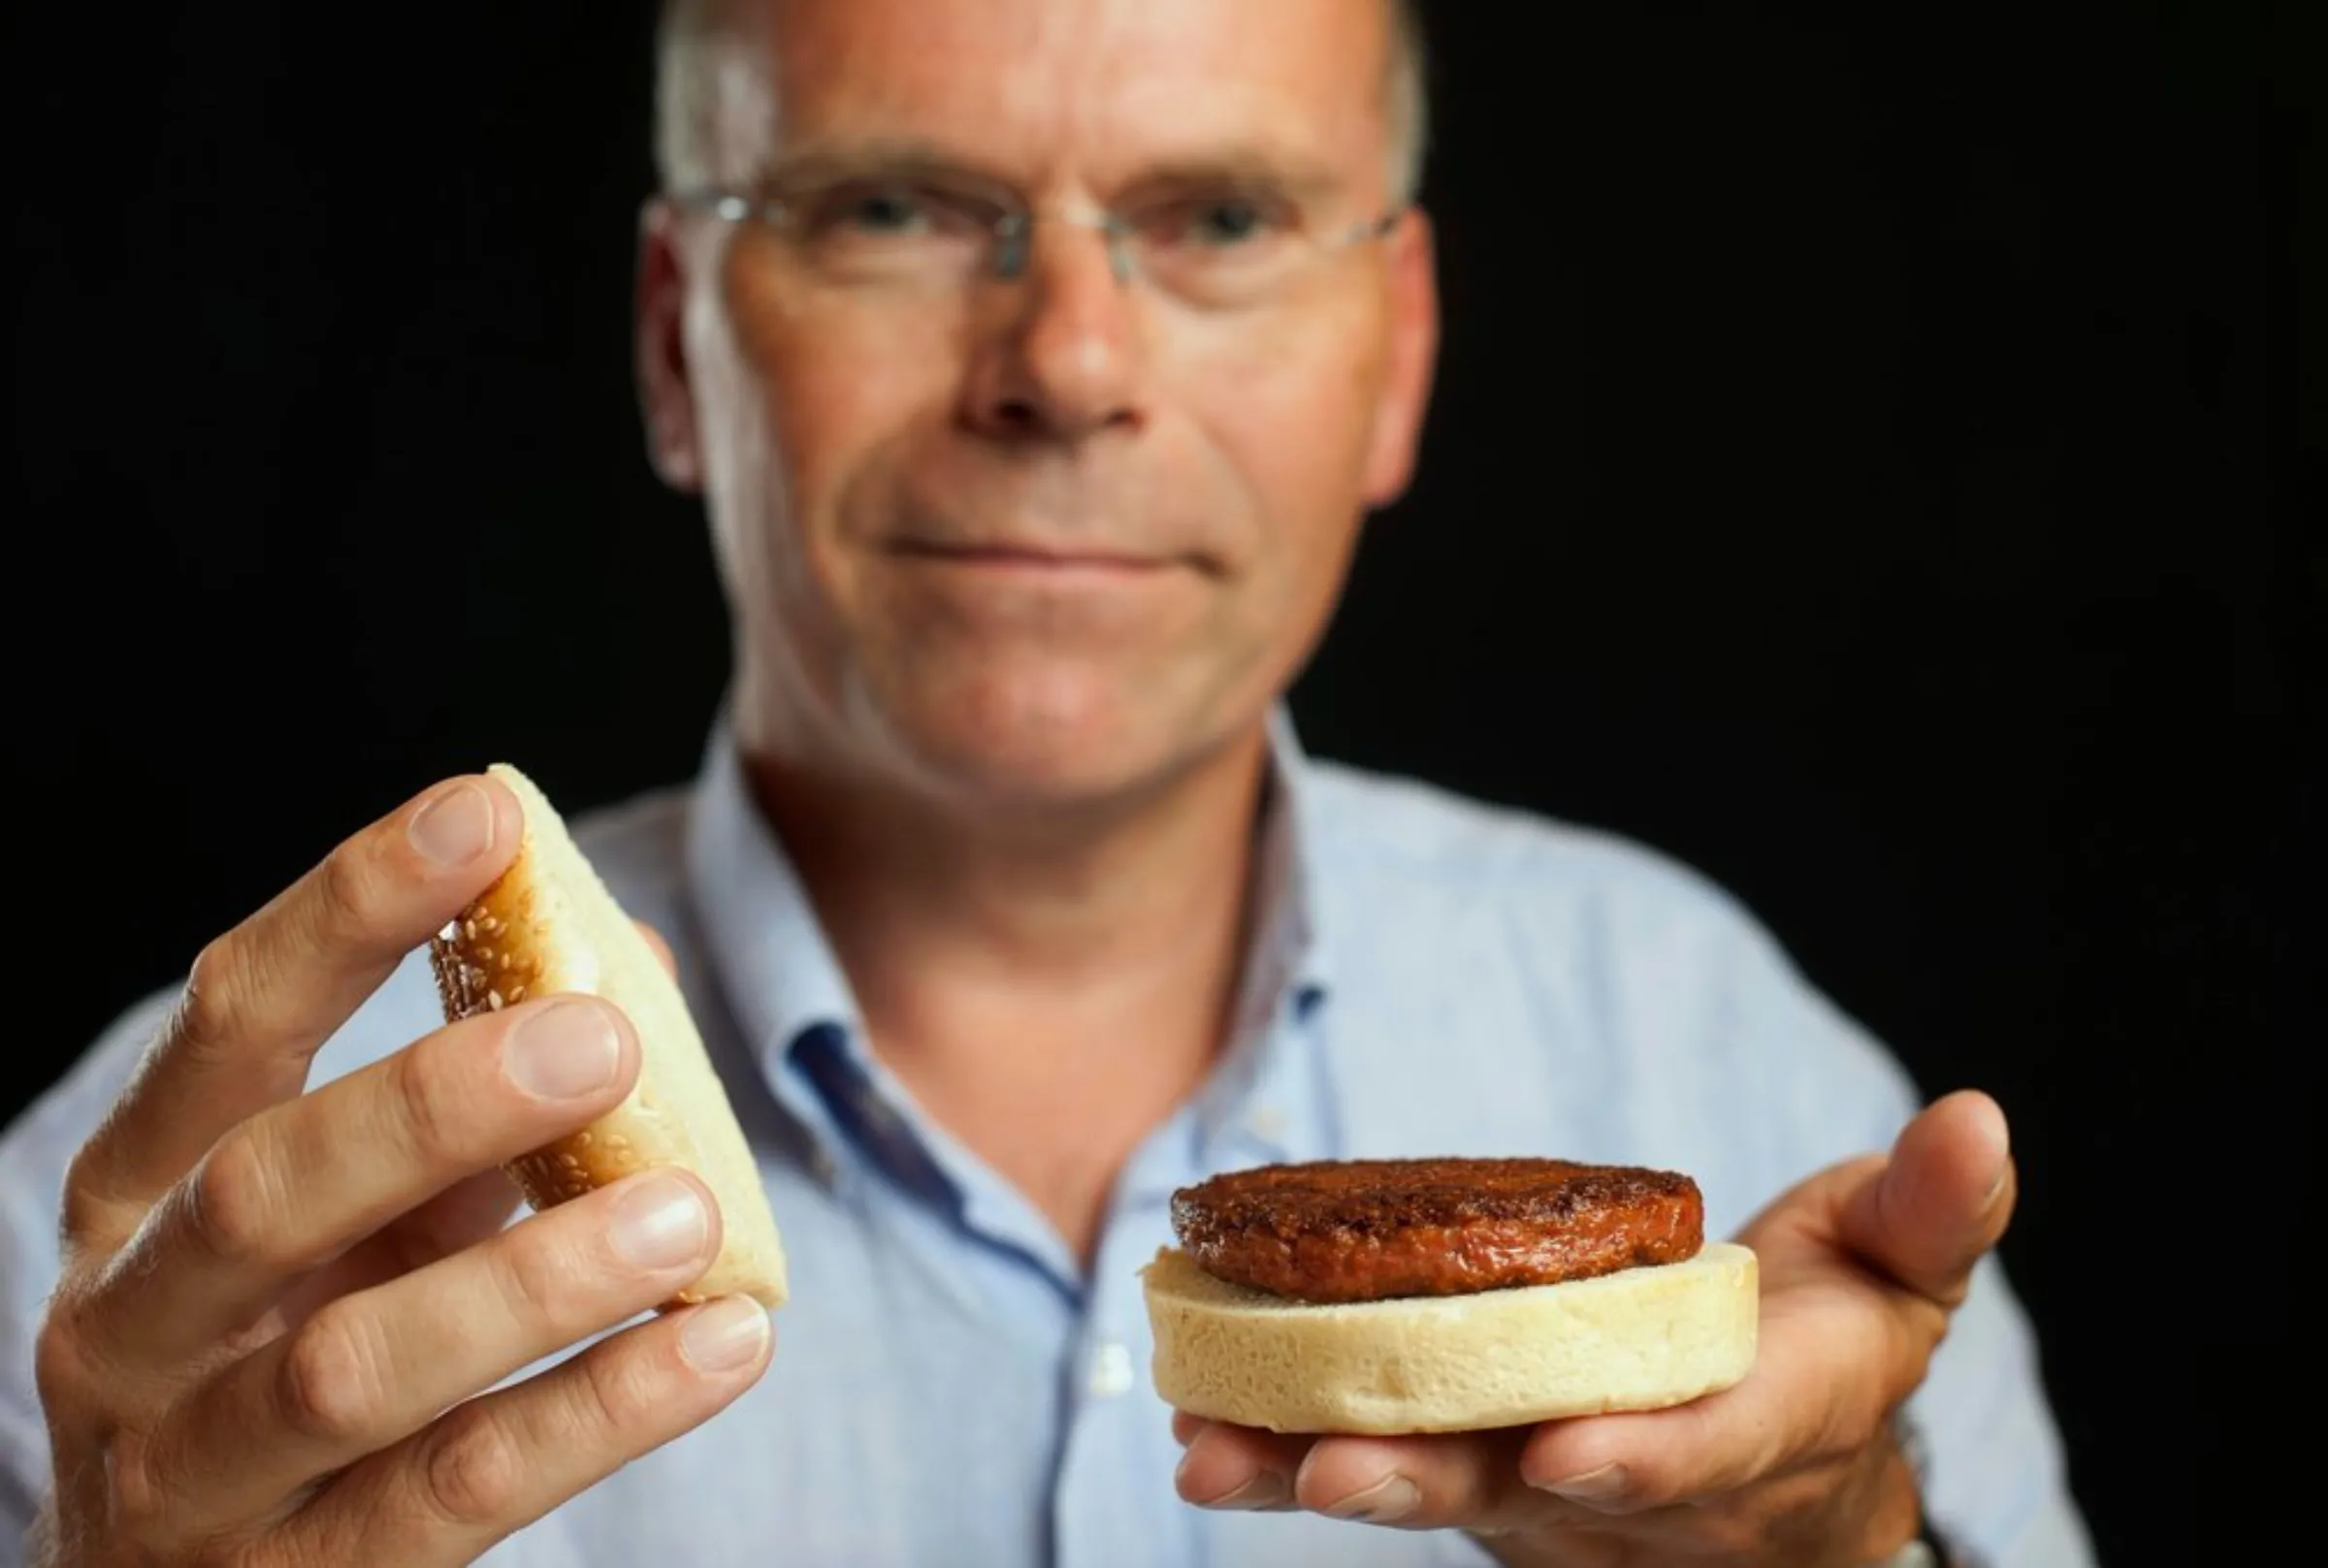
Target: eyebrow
<point>885,156</point>
<point>1247,166</point>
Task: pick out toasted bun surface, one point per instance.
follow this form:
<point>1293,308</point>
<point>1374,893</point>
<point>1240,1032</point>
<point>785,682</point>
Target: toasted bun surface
<point>1639,1340</point>
<point>549,925</point>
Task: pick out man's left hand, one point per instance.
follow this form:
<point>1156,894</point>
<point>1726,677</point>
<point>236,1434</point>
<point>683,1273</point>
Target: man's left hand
<point>1860,1267</point>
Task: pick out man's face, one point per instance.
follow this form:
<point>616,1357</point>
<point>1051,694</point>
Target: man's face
<point>1041,540</point>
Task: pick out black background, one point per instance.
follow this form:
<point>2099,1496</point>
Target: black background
<point>1863,467</point>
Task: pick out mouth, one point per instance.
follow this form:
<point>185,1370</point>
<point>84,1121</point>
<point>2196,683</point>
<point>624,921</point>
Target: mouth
<point>1036,560</point>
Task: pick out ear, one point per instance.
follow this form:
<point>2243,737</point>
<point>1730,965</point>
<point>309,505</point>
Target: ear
<point>1413,282</point>
<point>666,397</point>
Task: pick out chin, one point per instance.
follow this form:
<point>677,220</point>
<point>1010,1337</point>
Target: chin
<point>1066,739</point>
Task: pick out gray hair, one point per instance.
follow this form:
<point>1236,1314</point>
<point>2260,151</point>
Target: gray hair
<point>694,74</point>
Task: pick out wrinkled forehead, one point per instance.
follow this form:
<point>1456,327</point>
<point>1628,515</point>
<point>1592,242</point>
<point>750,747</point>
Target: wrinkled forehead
<point>1065,93</point>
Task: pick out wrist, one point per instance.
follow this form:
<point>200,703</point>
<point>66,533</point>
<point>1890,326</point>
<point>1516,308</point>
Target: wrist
<point>1923,1551</point>
<point>1926,1547</point>
<point>1926,1551</point>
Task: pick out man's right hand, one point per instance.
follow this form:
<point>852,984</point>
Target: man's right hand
<point>285,1315</point>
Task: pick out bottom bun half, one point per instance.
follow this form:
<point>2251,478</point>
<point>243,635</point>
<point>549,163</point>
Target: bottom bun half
<point>1640,1339</point>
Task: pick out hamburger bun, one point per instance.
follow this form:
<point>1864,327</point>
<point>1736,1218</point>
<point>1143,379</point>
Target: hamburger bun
<point>1638,1339</point>
<point>548,924</point>
<point>1444,1295</point>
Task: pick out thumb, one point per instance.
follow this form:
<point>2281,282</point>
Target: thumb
<point>1929,1214</point>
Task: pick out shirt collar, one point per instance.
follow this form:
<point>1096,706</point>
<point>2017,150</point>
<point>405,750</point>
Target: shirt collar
<point>767,951</point>
<point>1285,970</point>
<point>786,991</point>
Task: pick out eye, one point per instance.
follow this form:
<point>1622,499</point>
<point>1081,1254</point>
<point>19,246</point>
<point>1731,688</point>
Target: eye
<point>878,210</point>
<point>1213,222</point>
<point>1225,223</point>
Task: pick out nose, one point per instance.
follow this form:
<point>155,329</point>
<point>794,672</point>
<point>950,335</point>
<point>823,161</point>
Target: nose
<point>1061,360</point>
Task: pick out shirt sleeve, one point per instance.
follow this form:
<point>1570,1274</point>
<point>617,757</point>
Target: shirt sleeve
<point>1995,1482</point>
<point>34,1152</point>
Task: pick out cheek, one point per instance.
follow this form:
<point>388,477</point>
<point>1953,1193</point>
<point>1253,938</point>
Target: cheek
<point>815,392</point>
<point>1294,420</point>
<point>831,384</point>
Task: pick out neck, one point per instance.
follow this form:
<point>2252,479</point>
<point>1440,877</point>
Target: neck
<point>1052,981</point>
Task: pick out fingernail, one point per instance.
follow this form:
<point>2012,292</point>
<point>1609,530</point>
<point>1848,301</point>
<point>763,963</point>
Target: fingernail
<point>1594,1488</point>
<point>1393,1497</point>
<point>455,827</point>
<point>660,1223</point>
<point>1996,1186</point>
<point>2001,1136</point>
<point>725,1335</point>
<point>565,1050</point>
<point>1267,1489</point>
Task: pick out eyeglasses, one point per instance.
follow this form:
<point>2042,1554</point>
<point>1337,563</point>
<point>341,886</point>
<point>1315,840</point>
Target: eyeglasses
<point>922,235</point>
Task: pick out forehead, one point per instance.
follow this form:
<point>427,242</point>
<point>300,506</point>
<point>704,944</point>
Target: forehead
<point>1089,90</point>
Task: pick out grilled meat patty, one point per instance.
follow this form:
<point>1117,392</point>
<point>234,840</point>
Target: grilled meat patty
<point>1374,1229</point>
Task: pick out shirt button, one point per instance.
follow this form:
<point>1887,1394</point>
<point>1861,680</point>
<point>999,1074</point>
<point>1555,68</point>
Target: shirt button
<point>1110,1371</point>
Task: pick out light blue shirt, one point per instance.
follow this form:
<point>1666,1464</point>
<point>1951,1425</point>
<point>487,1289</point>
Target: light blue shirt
<point>1428,977</point>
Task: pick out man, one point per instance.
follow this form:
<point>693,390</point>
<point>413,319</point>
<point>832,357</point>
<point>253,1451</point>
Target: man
<point>1037,360</point>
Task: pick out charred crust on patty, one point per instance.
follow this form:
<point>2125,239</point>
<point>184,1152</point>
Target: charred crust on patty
<point>1378,1229</point>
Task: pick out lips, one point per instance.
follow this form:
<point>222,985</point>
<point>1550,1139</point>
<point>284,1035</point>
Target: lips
<point>1032,557</point>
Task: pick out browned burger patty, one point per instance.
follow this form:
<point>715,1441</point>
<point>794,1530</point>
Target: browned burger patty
<point>1372,1229</point>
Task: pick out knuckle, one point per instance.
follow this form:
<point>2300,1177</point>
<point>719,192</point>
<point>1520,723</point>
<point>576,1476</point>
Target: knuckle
<point>234,1201</point>
<point>61,1372</point>
<point>142,1496</point>
<point>473,1469</point>
<point>435,1109</point>
<point>83,1212</point>
<point>203,1023</point>
<point>617,1390</point>
<point>345,891</point>
<point>534,1275</point>
<point>330,1385</point>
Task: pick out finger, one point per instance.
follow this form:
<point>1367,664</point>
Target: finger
<point>1941,1203</point>
<point>1832,1361</point>
<point>498,1462</point>
<point>1238,1468</point>
<point>1469,1480</point>
<point>661,947</point>
<point>261,1000</point>
<point>295,1187</point>
<point>457,1218</point>
<point>367,1370</point>
<point>454,1220</point>
<point>1860,1264</point>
